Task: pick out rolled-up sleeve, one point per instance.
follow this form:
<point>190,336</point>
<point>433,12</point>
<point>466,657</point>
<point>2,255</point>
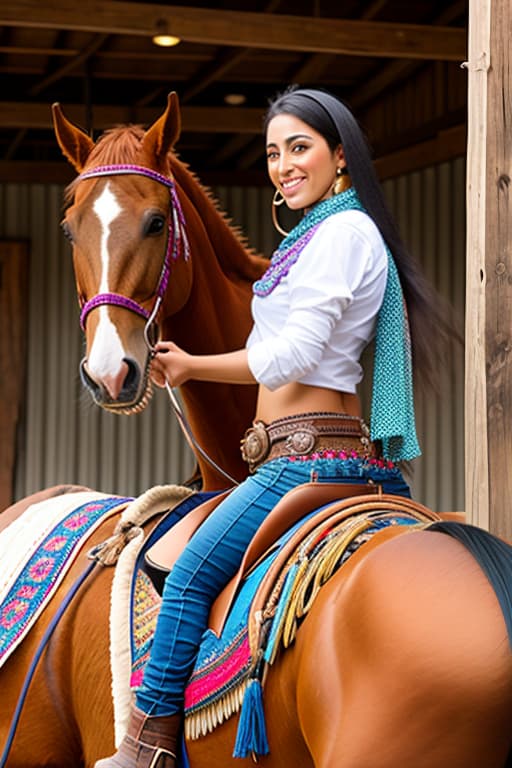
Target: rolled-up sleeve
<point>321,285</point>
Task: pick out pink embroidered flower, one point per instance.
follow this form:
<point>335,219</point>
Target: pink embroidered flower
<point>26,591</point>
<point>13,613</point>
<point>76,521</point>
<point>41,569</point>
<point>55,544</point>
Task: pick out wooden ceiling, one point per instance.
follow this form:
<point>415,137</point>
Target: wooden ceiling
<point>98,60</point>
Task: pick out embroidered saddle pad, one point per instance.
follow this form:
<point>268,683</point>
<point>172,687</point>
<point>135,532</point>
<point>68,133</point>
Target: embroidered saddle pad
<point>36,552</point>
<point>270,604</point>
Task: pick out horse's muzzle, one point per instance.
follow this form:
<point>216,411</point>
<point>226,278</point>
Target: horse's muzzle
<point>133,395</point>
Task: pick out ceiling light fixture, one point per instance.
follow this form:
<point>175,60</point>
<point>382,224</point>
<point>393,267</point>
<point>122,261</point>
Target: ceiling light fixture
<point>162,36</point>
<point>235,99</point>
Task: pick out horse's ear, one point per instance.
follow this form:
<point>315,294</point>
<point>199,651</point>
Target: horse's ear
<point>160,138</point>
<point>75,144</point>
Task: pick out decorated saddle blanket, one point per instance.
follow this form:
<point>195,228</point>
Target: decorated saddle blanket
<point>37,550</point>
<point>271,602</point>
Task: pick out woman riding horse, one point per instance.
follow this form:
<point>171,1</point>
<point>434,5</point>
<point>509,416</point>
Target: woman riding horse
<point>339,278</point>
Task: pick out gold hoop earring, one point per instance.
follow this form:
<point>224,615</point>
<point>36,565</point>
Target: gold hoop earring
<point>276,202</point>
<point>343,181</point>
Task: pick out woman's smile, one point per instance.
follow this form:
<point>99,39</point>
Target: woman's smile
<point>300,162</point>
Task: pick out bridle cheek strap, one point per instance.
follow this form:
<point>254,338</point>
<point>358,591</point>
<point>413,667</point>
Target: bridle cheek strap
<point>177,243</point>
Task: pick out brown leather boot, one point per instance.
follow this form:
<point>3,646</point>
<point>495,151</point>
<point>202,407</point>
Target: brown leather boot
<point>150,742</point>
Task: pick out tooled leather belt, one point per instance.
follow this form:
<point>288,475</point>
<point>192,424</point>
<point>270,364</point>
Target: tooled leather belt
<point>311,433</point>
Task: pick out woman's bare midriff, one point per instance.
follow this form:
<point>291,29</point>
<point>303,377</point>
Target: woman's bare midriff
<point>295,398</point>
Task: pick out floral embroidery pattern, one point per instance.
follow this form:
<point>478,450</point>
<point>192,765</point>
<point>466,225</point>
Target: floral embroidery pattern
<point>44,570</point>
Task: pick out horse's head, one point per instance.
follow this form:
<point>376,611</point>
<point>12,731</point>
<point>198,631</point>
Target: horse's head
<point>130,250</point>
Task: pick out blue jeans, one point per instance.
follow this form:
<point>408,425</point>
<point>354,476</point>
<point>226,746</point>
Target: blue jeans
<point>213,556</point>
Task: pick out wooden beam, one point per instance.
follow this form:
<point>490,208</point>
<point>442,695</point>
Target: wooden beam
<point>446,146</point>
<point>211,71</point>
<point>225,60</point>
<point>15,114</point>
<point>395,71</point>
<point>81,57</point>
<point>241,28</point>
<point>489,269</point>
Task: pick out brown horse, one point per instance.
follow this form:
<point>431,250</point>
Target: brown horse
<point>120,221</point>
<point>404,658</point>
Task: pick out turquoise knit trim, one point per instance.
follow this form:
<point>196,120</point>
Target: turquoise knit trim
<point>392,420</point>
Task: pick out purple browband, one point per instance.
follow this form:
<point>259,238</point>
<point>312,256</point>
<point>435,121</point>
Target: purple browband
<point>177,241</point>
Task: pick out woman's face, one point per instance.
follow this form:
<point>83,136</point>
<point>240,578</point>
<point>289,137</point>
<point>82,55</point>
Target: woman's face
<point>299,161</point>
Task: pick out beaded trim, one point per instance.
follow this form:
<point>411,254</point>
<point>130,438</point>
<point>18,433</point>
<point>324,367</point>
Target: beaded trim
<point>293,244</point>
<point>281,263</point>
<point>343,456</point>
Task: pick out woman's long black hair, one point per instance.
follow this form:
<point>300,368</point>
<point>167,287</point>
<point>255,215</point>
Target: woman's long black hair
<point>429,321</point>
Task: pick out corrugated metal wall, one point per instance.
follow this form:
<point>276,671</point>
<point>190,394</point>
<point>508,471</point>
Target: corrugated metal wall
<point>64,438</point>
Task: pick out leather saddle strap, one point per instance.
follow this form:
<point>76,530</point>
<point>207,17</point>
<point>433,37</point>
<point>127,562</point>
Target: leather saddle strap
<point>288,510</point>
<point>385,503</point>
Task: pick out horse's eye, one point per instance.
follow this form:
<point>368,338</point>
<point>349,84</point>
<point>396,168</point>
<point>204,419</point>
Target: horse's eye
<point>155,225</point>
<point>66,229</point>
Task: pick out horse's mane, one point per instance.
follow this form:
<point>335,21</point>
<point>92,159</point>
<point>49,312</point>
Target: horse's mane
<point>122,145</point>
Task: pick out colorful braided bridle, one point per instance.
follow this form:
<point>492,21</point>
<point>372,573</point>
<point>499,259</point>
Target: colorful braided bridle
<point>177,244</point>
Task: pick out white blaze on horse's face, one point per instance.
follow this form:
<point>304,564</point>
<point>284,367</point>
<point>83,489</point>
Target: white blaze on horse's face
<point>106,357</point>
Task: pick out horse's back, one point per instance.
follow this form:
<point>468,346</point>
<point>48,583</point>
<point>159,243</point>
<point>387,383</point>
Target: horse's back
<point>417,661</point>
<point>8,515</point>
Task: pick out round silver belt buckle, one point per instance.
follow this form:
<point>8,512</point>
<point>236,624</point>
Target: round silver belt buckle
<point>302,441</point>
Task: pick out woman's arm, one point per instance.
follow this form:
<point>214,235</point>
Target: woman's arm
<point>176,366</point>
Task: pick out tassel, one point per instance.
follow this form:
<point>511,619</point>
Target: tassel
<point>251,737</point>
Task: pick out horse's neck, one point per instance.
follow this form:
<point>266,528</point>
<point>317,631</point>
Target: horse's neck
<point>217,319</point>
<point>231,252</point>
<point>217,315</point>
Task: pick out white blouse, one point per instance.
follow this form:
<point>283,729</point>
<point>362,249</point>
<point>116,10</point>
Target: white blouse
<point>313,327</point>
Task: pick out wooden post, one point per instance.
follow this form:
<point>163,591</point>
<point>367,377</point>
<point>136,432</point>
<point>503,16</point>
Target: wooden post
<point>489,269</point>
<point>13,345</point>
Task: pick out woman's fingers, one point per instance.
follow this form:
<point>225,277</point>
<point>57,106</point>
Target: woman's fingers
<point>169,364</point>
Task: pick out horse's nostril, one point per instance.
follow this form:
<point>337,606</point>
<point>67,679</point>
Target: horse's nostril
<point>132,378</point>
<point>87,380</point>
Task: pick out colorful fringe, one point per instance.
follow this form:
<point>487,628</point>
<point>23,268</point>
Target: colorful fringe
<point>213,696</point>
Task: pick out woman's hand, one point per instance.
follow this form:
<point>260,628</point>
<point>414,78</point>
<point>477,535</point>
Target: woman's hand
<point>176,366</point>
<point>171,364</point>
